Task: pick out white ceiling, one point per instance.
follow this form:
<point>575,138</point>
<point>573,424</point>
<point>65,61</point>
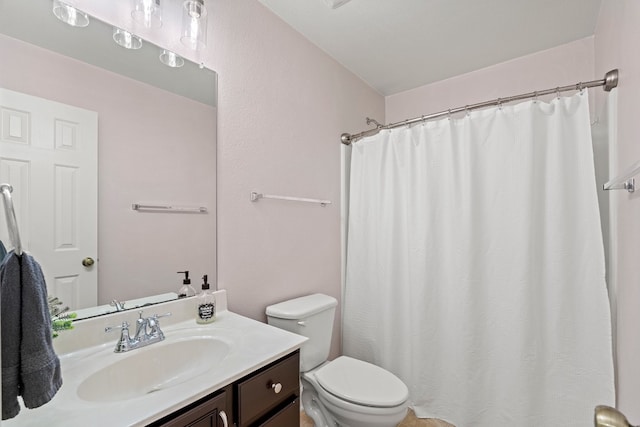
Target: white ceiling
<point>396,45</point>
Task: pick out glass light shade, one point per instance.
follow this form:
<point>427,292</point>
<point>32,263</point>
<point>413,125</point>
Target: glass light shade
<point>69,14</point>
<point>170,59</point>
<point>194,24</point>
<point>147,12</point>
<point>126,39</point>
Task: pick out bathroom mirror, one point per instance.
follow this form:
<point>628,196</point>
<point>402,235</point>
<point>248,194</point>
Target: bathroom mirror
<point>155,130</point>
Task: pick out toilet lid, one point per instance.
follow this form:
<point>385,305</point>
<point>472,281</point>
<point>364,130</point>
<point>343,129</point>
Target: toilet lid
<point>362,383</point>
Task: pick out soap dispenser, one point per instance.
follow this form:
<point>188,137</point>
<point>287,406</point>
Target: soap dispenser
<point>186,290</point>
<point>206,304</point>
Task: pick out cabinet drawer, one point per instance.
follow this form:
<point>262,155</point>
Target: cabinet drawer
<point>203,413</point>
<point>257,395</point>
<point>289,416</point>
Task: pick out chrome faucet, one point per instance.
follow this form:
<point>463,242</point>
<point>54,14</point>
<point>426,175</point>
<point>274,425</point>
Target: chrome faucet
<point>119,305</point>
<point>147,332</point>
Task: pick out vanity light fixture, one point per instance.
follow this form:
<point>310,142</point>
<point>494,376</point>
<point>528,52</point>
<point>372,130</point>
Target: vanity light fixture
<point>69,14</point>
<point>147,13</point>
<point>194,24</point>
<point>126,39</point>
<point>170,59</point>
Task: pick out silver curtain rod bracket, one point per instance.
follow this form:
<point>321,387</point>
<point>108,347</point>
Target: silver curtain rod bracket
<point>609,82</point>
<point>374,121</point>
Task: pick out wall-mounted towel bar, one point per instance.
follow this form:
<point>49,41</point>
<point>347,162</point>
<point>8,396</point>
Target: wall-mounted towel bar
<point>257,196</point>
<point>10,214</point>
<point>625,180</point>
<point>163,208</point>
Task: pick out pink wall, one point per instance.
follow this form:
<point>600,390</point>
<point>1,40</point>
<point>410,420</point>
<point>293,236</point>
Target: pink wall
<point>616,46</point>
<point>282,107</point>
<point>154,147</point>
<point>283,104</point>
<point>562,65</point>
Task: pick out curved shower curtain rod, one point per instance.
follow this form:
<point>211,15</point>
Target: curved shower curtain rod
<point>609,82</point>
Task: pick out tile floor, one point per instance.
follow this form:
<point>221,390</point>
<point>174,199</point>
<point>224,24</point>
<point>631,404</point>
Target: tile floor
<point>409,421</point>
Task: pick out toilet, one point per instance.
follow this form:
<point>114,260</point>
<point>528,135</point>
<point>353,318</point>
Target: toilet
<point>344,392</point>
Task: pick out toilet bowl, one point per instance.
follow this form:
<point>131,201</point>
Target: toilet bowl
<point>358,394</point>
<point>346,392</point>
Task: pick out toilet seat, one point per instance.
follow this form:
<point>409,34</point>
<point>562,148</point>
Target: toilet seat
<point>362,383</point>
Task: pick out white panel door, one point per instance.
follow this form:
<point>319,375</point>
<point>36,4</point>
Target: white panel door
<point>49,154</point>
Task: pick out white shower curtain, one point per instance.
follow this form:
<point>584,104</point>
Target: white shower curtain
<point>475,266</point>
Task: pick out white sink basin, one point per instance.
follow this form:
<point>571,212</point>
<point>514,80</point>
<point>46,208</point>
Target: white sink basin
<point>156,367</point>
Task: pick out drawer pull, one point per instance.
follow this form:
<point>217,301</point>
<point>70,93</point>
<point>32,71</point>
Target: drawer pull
<point>276,387</point>
<point>223,416</point>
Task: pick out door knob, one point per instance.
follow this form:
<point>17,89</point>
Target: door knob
<point>607,416</point>
<point>88,262</point>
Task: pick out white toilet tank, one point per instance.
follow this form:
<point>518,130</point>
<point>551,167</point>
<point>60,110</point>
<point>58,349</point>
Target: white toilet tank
<point>310,316</point>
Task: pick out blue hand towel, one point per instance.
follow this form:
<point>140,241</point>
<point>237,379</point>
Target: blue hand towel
<point>30,367</point>
<point>3,251</point>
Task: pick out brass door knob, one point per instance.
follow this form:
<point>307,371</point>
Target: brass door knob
<point>607,416</point>
<point>88,262</point>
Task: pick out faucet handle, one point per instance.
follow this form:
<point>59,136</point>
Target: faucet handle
<point>154,325</point>
<point>158,316</point>
<point>124,342</point>
<point>124,327</point>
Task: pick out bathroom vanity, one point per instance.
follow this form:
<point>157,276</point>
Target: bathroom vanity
<point>267,397</point>
<point>233,372</point>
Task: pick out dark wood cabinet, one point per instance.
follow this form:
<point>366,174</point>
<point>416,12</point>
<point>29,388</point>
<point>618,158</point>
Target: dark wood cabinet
<point>210,411</point>
<point>267,393</point>
<point>268,397</point>
<point>289,416</point>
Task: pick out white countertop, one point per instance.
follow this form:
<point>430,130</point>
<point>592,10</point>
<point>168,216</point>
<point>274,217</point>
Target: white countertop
<point>252,345</point>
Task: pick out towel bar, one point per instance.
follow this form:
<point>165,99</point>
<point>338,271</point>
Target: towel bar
<point>164,208</point>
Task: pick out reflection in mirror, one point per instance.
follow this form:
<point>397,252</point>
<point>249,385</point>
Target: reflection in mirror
<point>88,129</point>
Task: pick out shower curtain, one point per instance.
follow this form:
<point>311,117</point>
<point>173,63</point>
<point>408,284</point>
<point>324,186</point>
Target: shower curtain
<point>475,266</point>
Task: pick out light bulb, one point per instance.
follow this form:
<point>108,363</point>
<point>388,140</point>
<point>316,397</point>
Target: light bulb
<point>126,39</point>
<point>147,12</point>
<point>170,59</point>
<point>69,14</point>
<point>194,24</point>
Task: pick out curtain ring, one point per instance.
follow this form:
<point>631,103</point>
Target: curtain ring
<point>581,88</point>
<point>449,113</point>
<point>558,92</point>
<point>466,111</point>
<point>535,96</point>
<point>500,103</point>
